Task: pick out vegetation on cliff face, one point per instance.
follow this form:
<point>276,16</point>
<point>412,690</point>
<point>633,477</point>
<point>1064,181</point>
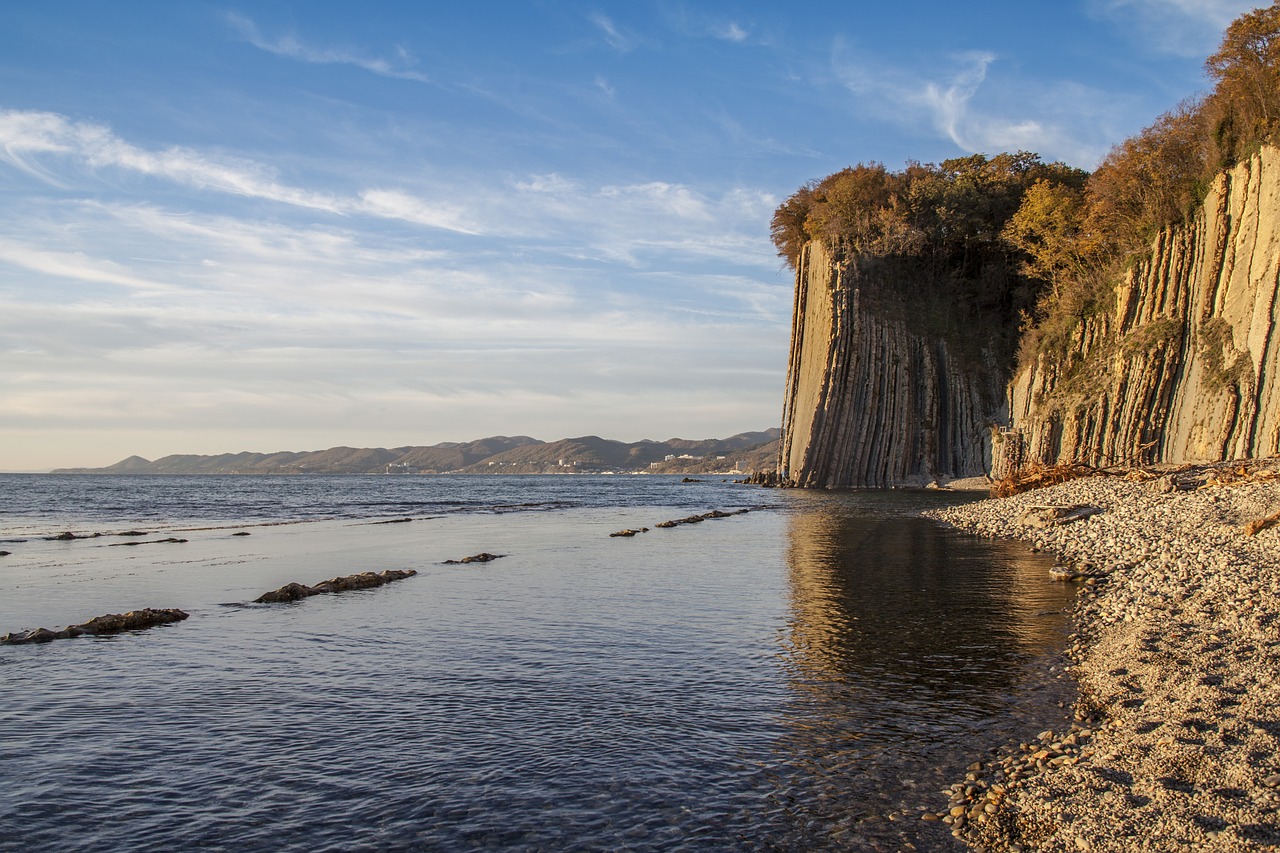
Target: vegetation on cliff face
<point>1012,235</point>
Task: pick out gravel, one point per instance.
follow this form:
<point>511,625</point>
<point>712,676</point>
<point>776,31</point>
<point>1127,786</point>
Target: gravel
<point>1176,656</point>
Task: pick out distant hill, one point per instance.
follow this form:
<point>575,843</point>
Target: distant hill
<point>500,454</point>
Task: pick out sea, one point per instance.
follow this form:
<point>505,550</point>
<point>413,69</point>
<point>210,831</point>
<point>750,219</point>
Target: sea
<point>807,675</point>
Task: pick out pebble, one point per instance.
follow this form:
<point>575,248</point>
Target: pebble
<point>1173,742</point>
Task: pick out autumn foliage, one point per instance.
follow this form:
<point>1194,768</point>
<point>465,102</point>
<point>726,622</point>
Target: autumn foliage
<point>1045,238</point>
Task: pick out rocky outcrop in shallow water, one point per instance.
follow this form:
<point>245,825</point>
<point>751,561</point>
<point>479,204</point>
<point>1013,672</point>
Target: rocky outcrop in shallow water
<point>171,539</point>
<point>697,519</point>
<point>363,580</point>
<point>483,557</point>
<point>114,623</point>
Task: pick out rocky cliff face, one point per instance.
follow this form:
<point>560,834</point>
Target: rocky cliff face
<point>1185,367</point>
<point>873,401</point>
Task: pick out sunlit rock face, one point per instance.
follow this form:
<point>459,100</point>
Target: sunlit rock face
<point>1185,366</point>
<point>873,399</point>
<point>1182,367</point>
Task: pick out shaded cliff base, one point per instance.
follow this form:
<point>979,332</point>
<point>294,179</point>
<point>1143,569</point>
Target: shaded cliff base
<point>1176,655</point>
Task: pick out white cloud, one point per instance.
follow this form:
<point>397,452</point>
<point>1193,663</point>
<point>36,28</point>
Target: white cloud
<point>614,221</point>
<point>72,265</point>
<point>291,47</point>
<point>394,204</point>
<point>312,317</point>
<point>1188,28</point>
<point>949,101</point>
<point>1059,120</point>
<point>661,198</point>
<point>24,136</point>
<point>731,31</point>
<point>613,36</point>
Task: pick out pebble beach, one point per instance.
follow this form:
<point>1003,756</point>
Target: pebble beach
<point>1175,739</point>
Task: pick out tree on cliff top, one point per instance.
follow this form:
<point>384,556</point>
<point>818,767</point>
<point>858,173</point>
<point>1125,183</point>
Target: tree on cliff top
<point>1245,106</point>
<point>957,209</point>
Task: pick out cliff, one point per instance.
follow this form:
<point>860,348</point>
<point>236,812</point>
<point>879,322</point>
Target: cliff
<point>1184,366</point>
<point>874,397</point>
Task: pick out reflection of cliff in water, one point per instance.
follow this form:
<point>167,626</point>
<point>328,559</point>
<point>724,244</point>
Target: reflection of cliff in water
<point>911,650</point>
<point>898,601</point>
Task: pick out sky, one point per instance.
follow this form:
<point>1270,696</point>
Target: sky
<point>291,226</point>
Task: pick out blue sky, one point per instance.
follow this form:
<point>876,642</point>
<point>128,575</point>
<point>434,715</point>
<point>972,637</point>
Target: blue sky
<point>297,225</point>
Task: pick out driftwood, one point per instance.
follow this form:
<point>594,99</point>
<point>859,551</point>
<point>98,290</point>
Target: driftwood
<point>364,580</point>
<point>1038,476</point>
<point>115,623</point>
<point>1258,525</point>
<point>1056,516</point>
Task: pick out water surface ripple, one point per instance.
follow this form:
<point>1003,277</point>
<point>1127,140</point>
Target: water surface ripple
<point>802,677</point>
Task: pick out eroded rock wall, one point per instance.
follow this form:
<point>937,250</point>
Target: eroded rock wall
<point>1185,368</point>
<point>870,401</point>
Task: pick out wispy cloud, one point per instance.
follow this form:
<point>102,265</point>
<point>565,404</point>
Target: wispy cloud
<point>1189,28</point>
<point>693,22</point>
<point>948,100</point>
<point>613,36</point>
<point>266,324</point>
<point>291,47</point>
<point>29,139</point>
<point>731,31</point>
<point>604,86</point>
<point>72,265</point>
<point>1060,120</point>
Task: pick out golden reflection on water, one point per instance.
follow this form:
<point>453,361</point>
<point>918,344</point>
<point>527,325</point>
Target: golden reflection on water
<point>867,587</point>
<point>910,649</point>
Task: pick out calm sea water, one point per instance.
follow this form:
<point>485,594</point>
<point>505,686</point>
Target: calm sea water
<point>805,676</point>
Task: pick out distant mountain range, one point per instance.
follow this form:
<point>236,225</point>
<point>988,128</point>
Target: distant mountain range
<point>745,452</point>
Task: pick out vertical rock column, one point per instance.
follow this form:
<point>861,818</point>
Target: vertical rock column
<point>870,403</point>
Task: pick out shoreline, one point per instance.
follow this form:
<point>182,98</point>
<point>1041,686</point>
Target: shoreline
<point>1176,658</point>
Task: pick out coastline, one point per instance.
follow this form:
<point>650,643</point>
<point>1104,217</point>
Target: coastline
<point>1176,656</point>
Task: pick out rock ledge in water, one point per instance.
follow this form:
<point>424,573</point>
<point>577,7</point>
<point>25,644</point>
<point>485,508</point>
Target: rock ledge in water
<point>695,519</point>
<point>484,557</point>
<point>114,623</point>
<point>146,541</point>
<point>363,580</point>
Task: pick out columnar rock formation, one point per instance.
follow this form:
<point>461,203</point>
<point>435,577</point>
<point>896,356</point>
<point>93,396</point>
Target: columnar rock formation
<point>872,400</point>
<point>1185,367</point>
<point>1182,366</point>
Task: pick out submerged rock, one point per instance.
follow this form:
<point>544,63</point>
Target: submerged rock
<point>151,542</point>
<point>241,533</point>
<point>114,623</point>
<point>483,557</point>
<point>68,536</point>
<point>363,580</point>
<point>630,531</point>
<point>696,519</point>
